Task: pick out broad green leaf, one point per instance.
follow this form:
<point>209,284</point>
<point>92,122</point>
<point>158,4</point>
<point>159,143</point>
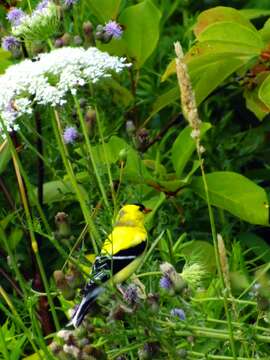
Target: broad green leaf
<point>264,92</point>
<point>220,14</point>
<point>201,252</point>
<point>255,105</point>
<point>183,148</point>
<point>226,31</point>
<point>265,32</point>
<point>104,10</point>
<point>236,194</point>
<point>110,151</point>
<point>15,237</point>
<point>167,98</point>
<point>254,13</point>
<point>141,33</point>
<point>55,191</point>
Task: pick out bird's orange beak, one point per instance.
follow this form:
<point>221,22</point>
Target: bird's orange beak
<point>147,210</point>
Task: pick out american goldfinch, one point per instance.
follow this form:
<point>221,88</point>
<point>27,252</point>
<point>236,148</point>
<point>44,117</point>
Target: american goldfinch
<point>120,256</point>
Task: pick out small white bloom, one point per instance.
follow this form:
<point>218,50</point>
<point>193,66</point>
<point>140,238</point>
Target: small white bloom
<point>64,334</point>
<point>50,78</point>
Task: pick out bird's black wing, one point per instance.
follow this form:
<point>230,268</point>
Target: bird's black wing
<point>106,266</point>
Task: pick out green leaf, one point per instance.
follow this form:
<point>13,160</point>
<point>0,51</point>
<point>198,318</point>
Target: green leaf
<point>110,151</point>
<point>254,13</point>
<point>264,92</point>
<point>236,194</point>
<point>167,98</point>
<point>15,237</point>
<point>220,14</point>
<point>265,32</point>
<point>104,10</point>
<point>141,32</point>
<point>211,62</point>
<point>55,191</point>
<point>183,148</point>
<point>254,104</point>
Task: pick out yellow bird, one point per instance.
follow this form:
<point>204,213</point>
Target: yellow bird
<point>119,258</point>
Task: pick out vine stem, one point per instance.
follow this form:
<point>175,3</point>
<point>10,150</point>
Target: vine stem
<point>57,128</point>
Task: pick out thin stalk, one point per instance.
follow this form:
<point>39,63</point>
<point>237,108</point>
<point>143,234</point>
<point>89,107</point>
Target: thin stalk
<point>106,158</point>
<point>90,152</point>
<point>215,357</point>
<point>34,244</point>
<point>94,235</point>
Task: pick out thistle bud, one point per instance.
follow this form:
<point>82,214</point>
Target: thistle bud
<point>106,38</point>
<point>90,119</point>
<point>172,276</point>
<point>119,312</point>
<point>74,278</point>
<point>61,283</point>
<point>63,226</point>
<point>66,38</point>
<point>58,43</point>
<point>153,302</point>
<point>77,40</point>
<point>87,28</point>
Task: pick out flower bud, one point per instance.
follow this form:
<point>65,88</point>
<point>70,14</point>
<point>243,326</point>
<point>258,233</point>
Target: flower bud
<point>106,38</point>
<point>62,223</point>
<point>123,155</point>
<point>178,284</point>
<point>61,283</point>
<point>66,38</point>
<point>153,302</point>
<point>142,137</point>
<point>99,35</point>
<point>87,28</point>
<point>58,43</point>
<point>119,312</point>
<point>74,278</point>
<point>77,40</point>
<point>90,119</point>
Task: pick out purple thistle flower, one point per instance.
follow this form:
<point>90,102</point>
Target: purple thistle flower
<point>70,135</point>
<point>10,43</point>
<point>114,29</point>
<point>70,2</point>
<point>15,16</point>
<point>178,313</point>
<point>165,283</point>
<point>42,5</point>
<point>131,294</point>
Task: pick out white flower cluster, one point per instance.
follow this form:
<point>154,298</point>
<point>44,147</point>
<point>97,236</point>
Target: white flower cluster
<point>40,24</point>
<point>47,80</point>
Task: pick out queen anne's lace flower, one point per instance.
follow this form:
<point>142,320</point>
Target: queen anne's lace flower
<point>47,80</point>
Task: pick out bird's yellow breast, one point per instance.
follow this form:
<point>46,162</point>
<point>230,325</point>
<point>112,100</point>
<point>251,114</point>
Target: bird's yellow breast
<point>123,237</point>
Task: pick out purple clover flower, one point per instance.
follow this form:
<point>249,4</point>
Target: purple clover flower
<point>131,294</point>
<point>10,43</point>
<point>165,283</point>
<point>70,2</point>
<point>114,29</point>
<point>70,135</point>
<point>178,313</point>
<point>15,16</point>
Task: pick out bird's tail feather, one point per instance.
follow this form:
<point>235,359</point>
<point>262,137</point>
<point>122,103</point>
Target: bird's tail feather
<point>84,306</point>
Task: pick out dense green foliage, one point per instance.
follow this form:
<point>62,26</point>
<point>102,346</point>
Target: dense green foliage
<point>210,208</point>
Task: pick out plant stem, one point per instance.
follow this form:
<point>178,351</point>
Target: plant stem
<point>90,152</point>
<point>94,235</point>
